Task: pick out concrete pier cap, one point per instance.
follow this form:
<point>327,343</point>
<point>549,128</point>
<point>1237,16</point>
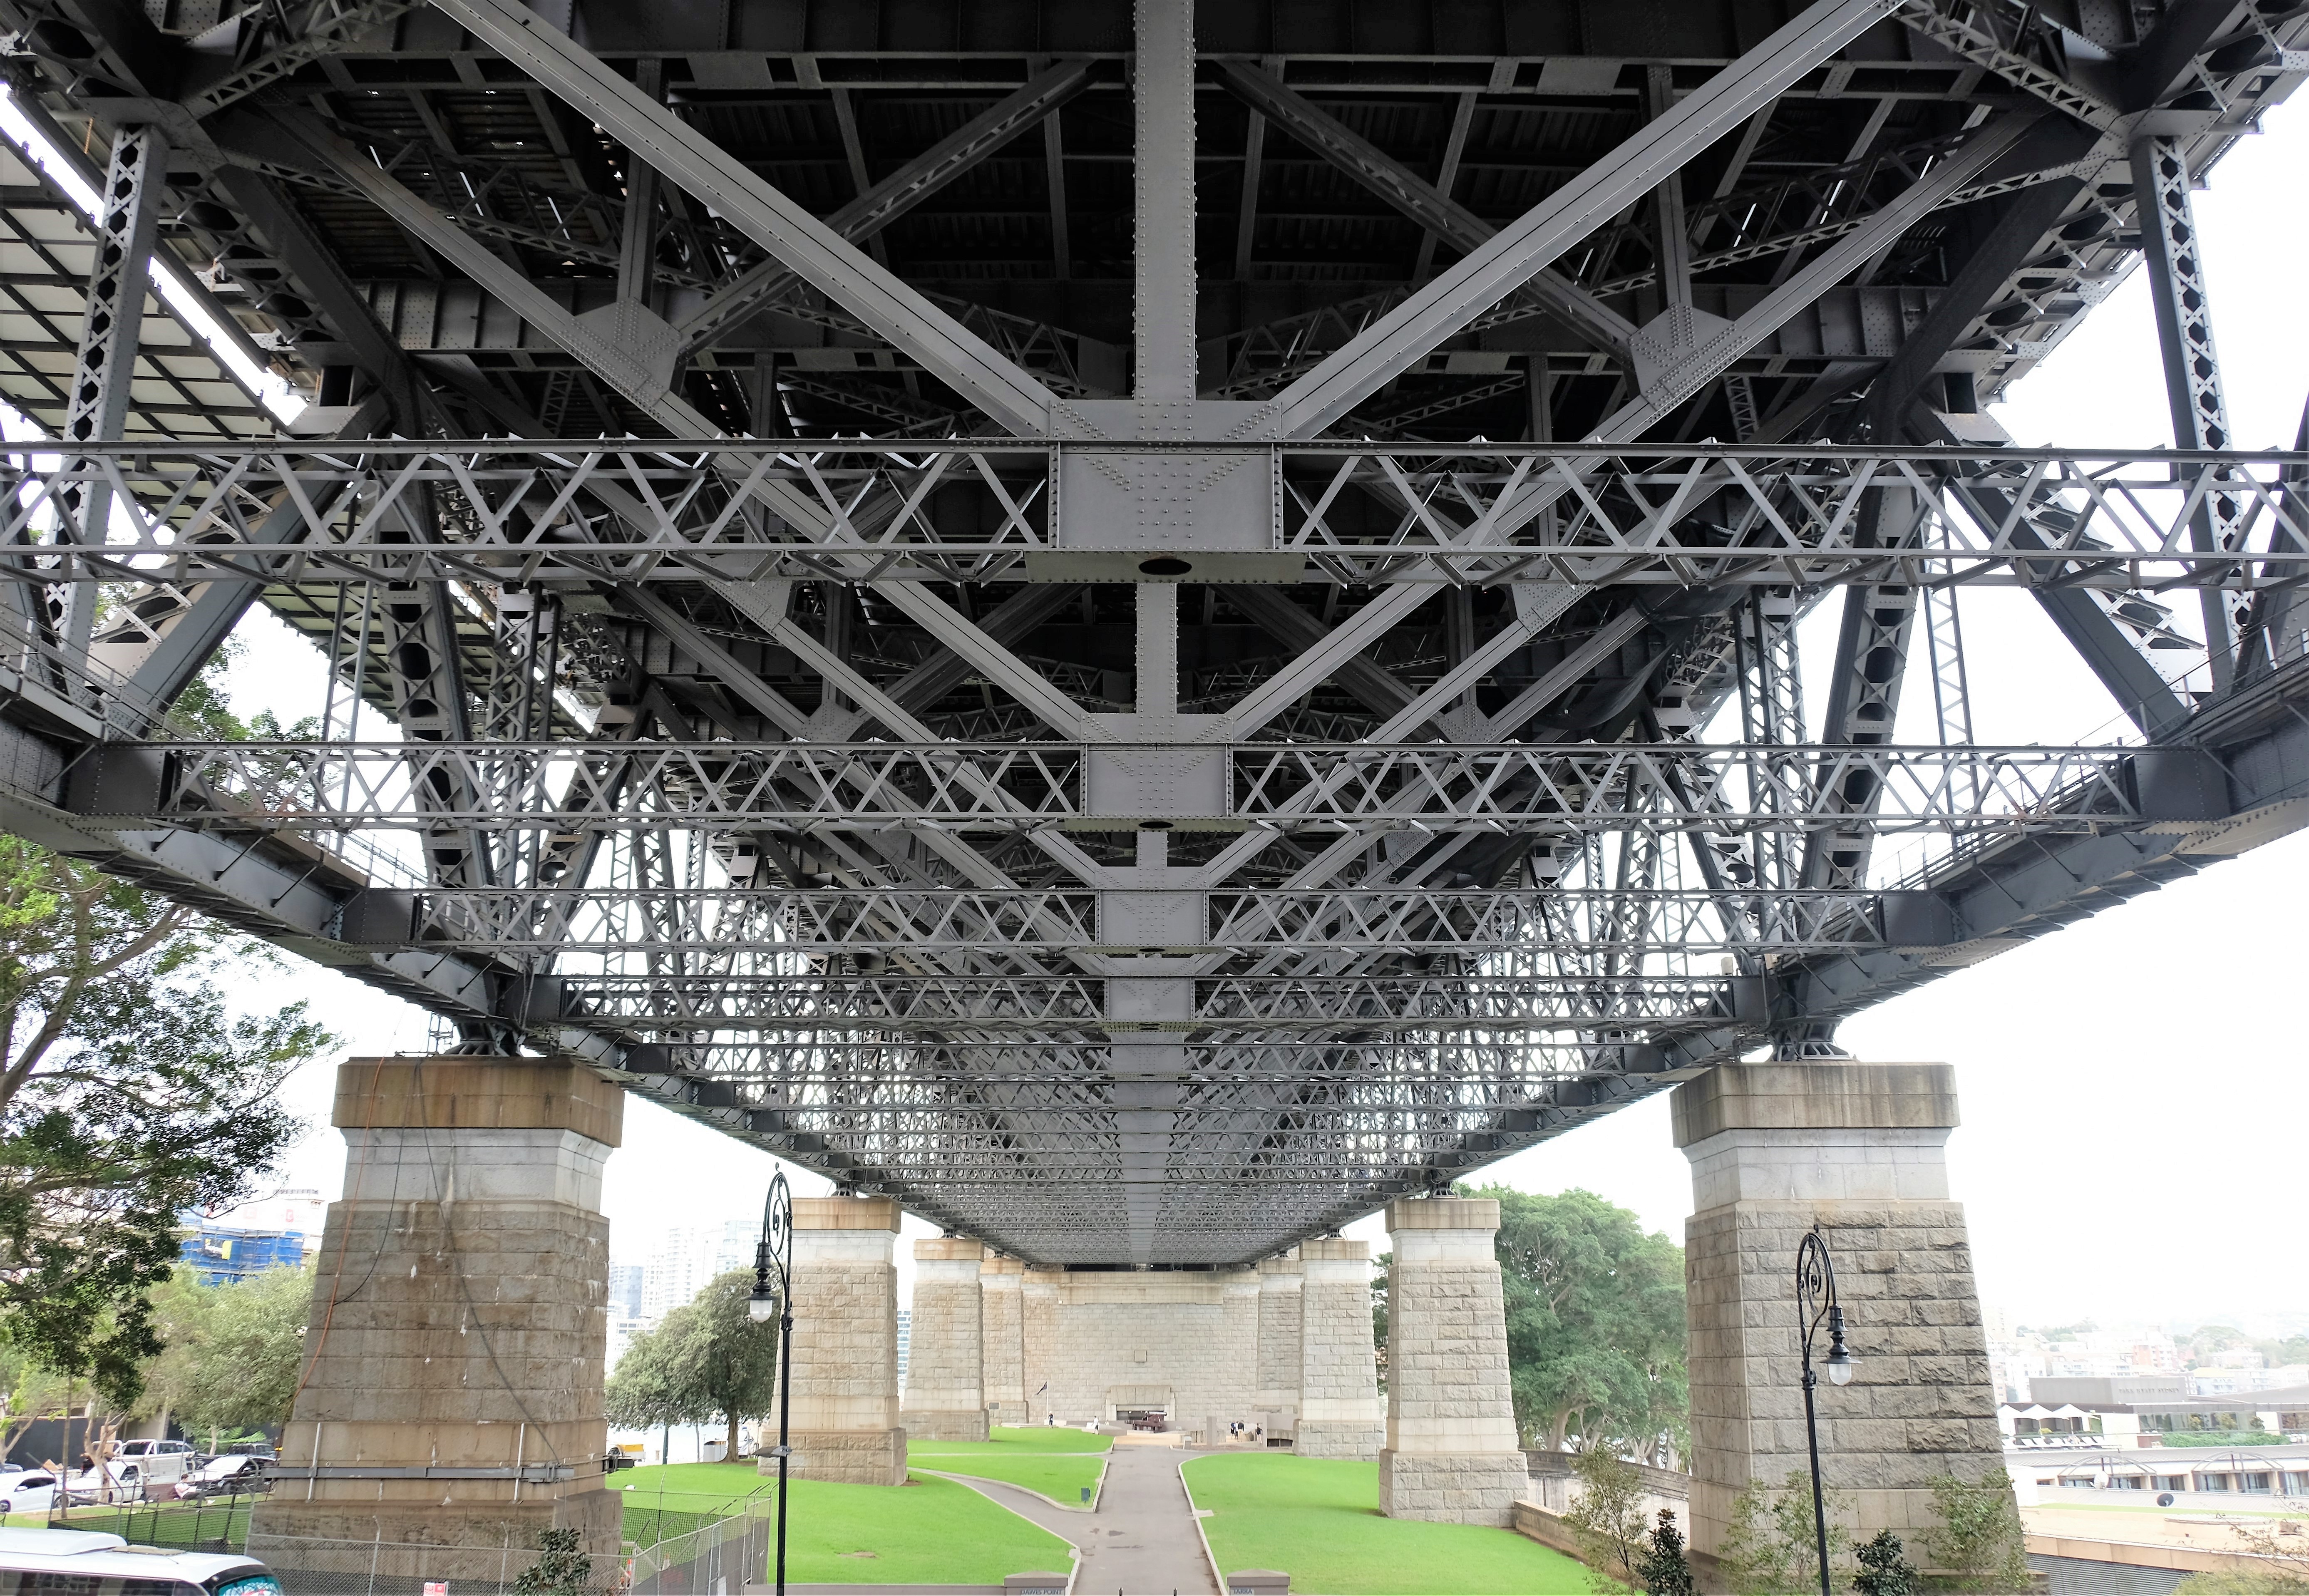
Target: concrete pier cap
<point>1858,1150</point>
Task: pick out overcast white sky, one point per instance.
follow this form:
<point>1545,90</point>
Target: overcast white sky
<point>2133,1087</point>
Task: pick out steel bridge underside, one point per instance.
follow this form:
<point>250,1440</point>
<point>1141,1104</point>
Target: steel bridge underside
<point>1142,626</point>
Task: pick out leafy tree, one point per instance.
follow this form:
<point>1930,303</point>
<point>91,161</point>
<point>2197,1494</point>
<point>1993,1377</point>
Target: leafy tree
<point>181,1307</point>
<point>127,1094</point>
<point>1595,1322</point>
<point>204,711</point>
<point>560,1569</point>
<point>642,1393</point>
<point>1608,1519</point>
<point>2293,1349</point>
<point>1663,1569</point>
<point>1884,1567</point>
<point>733,1362</point>
<point>1979,1541</point>
<point>1772,1547</point>
<point>28,1394</point>
<point>708,1358</point>
<point>244,1370</point>
<point>1380,1268</point>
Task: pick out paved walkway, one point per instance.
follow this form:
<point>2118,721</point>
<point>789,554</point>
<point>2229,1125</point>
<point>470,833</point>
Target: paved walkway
<point>1141,1541</point>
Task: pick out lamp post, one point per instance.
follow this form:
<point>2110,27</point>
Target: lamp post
<point>1816,1304</point>
<point>773,1297</point>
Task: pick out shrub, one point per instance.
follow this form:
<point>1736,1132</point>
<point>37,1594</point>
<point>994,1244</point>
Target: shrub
<point>1978,1542</point>
<point>1663,1569</point>
<point>560,1569</point>
<point>1884,1567</point>
<point>1772,1548</point>
<point>1608,1519</point>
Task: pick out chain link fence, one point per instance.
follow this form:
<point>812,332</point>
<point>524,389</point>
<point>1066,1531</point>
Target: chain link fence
<point>217,1524</point>
<point>719,1558</point>
<point>693,1546</point>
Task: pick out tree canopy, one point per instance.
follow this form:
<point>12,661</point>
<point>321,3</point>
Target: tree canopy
<point>706,1359</point>
<point>129,1092</point>
<point>243,1356</point>
<point>1595,1322</point>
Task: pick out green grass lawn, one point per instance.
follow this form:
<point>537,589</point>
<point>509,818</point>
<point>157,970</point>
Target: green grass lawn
<point>1319,1519</point>
<point>1056,1462</point>
<point>1027,1438</point>
<point>168,1525</point>
<point>928,1532</point>
<point>1061,1478</point>
<point>662,1502</point>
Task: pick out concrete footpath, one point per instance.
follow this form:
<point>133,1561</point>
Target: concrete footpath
<point>1141,1541</point>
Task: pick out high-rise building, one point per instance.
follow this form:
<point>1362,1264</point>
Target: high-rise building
<point>732,1247</point>
<point>672,1276</point>
<point>689,1256</point>
<point>626,1284</point>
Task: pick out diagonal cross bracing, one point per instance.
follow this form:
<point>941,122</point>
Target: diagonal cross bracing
<point>1163,876</point>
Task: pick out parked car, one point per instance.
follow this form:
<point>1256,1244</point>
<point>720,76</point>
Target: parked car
<point>161,1463</point>
<point>232,1474</point>
<point>120,1480</point>
<point>27,1490</point>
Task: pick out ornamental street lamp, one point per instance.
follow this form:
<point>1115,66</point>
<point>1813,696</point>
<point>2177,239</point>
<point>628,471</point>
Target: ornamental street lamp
<point>1815,1303</point>
<point>772,1298</point>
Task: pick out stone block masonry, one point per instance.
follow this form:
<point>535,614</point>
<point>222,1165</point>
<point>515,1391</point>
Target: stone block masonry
<point>944,1398</point>
<point>1450,1455</point>
<point>1038,1331</point>
<point>1280,1283</point>
<point>1338,1391</point>
<point>1184,1341</point>
<point>459,1322</point>
<point>1002,1315</point>
<point>844,1421</point>
<point>1857,1149</point>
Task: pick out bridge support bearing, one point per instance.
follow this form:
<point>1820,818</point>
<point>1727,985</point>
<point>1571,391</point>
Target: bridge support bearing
<point>845,1343</point>
<point>1281,1287</point>
<point>1451,1455</point>
<point>945,1389</point>
<point>1857,1149</point>
<point>451,1400</point>
<point>1038,1336</point>
<point>1338,1393</point>
<point>1001,1308</point>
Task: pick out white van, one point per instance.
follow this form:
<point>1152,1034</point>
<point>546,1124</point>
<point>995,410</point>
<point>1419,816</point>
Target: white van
<point>139,1471</point>
<point>54,1560</point>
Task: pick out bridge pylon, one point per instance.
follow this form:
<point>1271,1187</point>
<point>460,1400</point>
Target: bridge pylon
<point>450,1404</point>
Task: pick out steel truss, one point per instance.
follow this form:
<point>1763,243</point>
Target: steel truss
<point>1143,757</point>
<point>1546,789</point>
<point>523,513</point>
